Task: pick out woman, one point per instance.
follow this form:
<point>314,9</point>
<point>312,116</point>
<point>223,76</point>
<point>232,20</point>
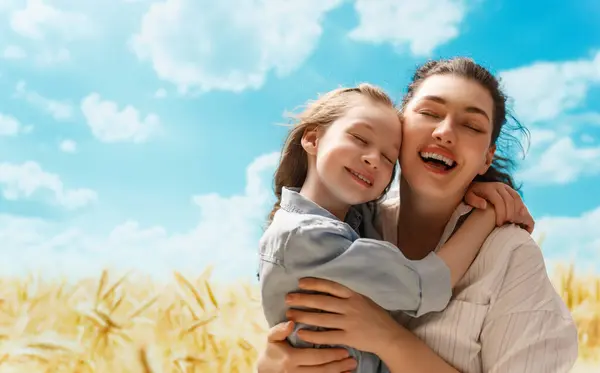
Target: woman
<point>504,316</point>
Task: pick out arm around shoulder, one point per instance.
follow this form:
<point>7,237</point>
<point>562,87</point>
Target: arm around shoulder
<point>375,269</point>
<point>528,327</point>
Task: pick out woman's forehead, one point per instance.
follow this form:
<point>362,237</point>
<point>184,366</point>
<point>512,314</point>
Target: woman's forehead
<point>456,91</point>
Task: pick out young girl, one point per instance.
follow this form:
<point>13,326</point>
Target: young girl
<point>341,153</point>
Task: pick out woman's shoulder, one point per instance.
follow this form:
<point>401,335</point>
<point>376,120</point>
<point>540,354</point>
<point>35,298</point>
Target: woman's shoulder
<point>507,238</point>
<point>508,243</point>
<point>512,266</point>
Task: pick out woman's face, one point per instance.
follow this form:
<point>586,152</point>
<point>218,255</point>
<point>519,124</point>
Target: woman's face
<point>446,136</point>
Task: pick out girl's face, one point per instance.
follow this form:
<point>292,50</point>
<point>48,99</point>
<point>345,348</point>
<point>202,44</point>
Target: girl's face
<point>446,136</point>
<point>355,156</point>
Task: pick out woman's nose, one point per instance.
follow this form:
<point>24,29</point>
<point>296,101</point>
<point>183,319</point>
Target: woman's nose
<point>444,132</point>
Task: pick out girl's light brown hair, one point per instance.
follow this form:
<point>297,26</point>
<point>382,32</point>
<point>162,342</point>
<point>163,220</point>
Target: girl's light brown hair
<point>320,113</point>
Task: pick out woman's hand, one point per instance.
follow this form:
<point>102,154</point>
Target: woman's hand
<point>280,357</point>
<point>359,322</point>
<point>507,203</point>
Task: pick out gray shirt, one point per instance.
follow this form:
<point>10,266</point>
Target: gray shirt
<point>305,240</point>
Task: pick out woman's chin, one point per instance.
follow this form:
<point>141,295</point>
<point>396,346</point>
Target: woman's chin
<point>438,192</point>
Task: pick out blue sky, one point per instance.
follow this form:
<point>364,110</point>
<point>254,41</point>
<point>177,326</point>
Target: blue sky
<point>143,134</point>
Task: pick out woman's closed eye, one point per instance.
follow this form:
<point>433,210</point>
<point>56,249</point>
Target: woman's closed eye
<point>430,114</point>
<point>473,127</point>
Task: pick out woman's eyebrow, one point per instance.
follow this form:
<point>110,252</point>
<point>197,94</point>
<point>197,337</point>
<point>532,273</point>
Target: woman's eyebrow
<point>469,109</point>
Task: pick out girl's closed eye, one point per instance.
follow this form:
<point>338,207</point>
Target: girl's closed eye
<point>388,158</point>
<point>360,139</point>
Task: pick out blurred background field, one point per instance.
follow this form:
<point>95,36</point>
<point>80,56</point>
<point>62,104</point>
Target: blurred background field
<point>128,323</point>
<point>143,135</point>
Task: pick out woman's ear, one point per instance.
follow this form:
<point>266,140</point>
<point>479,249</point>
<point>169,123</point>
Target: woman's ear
<point>489,158</point>
<point>310,140</point>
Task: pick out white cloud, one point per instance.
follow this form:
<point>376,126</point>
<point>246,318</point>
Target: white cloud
<point>187,44</point>
<point>13,52</point>
<point>49,56</point>
<point>109,124</point>
<point>544,90</point>
<point>9,126</point>
<point>60,110</point>
<point>541,137</point>
<point>28,180</point>
<point>575,238</point>
<point>561,162</point>
<point>422,25</point>
<point>49,29</point>
<point>68,146</point>
<point>40,21</point>
<point>226,236</point>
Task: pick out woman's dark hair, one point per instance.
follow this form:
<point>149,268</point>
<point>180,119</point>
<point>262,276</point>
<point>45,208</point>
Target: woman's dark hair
<point>502,164</point>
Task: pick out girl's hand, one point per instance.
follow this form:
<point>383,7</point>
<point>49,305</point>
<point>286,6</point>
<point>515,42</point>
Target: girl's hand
<point>507,203</point>
<point>359,322</point>
<point>280,357</point>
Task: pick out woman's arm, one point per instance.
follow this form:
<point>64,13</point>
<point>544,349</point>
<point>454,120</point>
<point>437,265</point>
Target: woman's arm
<point>280,357</point>
<point>360,323</point>
<point>407,353</point>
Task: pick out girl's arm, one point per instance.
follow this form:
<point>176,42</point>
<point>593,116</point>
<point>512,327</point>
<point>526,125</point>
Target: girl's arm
<point>508,204</point>
<point>373,268</point>
<point>464,245</point>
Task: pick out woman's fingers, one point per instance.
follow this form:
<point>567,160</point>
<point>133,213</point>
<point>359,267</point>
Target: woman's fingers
<point>319,357</point>
<point>280,331</point>
<point>328,337</point>
<point>322,319</point>
<point>346,365</point>
<point>325,286</point>
<point>325,303</point>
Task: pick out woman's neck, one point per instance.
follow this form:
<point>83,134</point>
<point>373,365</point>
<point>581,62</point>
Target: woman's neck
<point>422,222</point>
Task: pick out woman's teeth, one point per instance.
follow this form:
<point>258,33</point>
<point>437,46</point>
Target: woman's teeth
<point>437,157</point>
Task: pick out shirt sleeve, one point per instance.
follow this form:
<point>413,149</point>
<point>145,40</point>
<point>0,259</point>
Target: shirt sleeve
<point>375,269</point>
<point>528,328</point>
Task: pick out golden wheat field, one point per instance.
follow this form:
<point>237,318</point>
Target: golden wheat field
<point>131,324</point>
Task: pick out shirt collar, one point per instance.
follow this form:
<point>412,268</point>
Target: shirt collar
<point>293,201</point>
<point>458,217</point>
<point>392,199</point>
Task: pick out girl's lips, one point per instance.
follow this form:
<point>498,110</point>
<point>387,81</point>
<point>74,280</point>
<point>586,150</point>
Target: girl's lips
<point>366,177</point>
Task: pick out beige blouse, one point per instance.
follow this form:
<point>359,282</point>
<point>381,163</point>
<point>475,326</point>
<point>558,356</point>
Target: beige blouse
<point>505,315</point>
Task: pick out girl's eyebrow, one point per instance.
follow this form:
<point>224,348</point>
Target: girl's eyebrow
<point>370,128</point>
